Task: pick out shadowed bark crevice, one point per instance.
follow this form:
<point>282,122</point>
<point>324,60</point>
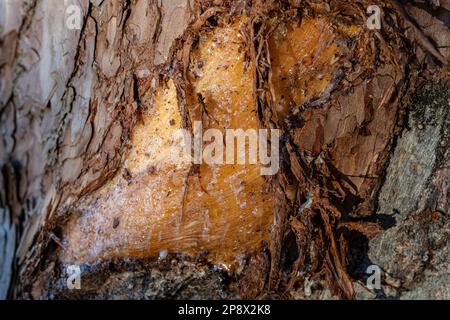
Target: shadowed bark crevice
<point>72,103</point>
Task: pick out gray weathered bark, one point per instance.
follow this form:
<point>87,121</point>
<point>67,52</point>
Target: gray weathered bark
<point>68,105</point>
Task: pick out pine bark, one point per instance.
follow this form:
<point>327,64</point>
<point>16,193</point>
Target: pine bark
<point>344,199</point>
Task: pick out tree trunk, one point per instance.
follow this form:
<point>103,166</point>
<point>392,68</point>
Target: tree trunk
<point>91,177</point>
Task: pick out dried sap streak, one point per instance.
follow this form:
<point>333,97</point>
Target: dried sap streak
<point>159,205</point>
<point>305,60</point>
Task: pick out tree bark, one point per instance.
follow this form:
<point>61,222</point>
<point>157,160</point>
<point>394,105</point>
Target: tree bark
<point>363,179</point>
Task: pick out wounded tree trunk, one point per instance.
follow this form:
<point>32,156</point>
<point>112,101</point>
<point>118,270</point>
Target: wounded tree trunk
<point>90,176</point>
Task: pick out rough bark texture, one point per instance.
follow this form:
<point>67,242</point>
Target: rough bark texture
<point>364,175</point>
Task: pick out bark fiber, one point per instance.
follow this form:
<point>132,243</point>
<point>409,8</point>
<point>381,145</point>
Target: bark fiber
<point>364,153</point>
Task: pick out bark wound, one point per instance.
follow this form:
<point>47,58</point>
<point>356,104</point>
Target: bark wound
<point>179,208</point>
<point>108,185</point>
<point>163,204</point>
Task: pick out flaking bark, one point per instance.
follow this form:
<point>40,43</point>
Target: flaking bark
<point>68,106</point>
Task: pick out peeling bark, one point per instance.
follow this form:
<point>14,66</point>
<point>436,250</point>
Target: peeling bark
<point>76,106</point>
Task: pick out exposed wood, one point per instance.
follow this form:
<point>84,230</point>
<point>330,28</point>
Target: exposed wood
<point>82,183</point>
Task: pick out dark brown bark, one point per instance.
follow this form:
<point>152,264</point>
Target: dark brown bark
<point>70,99</point>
